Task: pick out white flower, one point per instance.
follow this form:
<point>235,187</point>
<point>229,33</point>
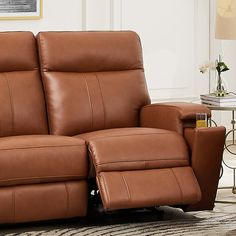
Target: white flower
<point>204,67</point>
<point>207,66</point>
<point>218,65</point>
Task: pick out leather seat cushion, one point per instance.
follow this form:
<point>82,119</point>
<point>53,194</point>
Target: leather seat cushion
<point>41,158</point>
<point>34,202</point>
<point>136,149</point>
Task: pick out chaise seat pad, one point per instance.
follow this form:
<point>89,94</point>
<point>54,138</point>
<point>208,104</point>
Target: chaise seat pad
<point>136,149</point>
<point>41,158</point>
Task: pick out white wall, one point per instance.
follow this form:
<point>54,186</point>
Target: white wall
<point>57,15</point>
<point>174,36</point>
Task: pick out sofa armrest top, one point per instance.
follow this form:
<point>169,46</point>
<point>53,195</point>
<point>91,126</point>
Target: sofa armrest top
<point>173,116</point>
<point>184,110</point>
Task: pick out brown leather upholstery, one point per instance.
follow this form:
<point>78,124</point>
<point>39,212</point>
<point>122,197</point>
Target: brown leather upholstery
<point>94,81</point>
<point>100,75</point>
<point>41,158</point>
<point>206,145</point>
<point>129,162</point>
<point>90,51</point>
<point>136,149</point>
<point>18,52</point>
<point>43,201</point>
<point>27,161</point>
<point>173,116</point>
<point>21,93</point>
<point>143,188</point>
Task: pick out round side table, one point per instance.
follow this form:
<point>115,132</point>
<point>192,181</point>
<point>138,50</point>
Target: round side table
<point>229,144</point>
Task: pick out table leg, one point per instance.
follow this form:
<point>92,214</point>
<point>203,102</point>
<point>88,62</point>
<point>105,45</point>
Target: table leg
<point>233,125</point>
<point>234,187</point>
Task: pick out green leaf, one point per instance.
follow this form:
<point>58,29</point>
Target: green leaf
<point>221,67</point>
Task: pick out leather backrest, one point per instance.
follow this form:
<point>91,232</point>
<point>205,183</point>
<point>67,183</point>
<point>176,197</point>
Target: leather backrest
<point>22,104</point>
<point>93,80</point>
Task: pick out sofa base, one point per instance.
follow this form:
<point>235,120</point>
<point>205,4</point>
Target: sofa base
<point>38,202</point>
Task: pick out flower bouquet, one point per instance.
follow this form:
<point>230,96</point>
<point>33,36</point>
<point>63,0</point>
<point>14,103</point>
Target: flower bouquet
<point>220,67</point>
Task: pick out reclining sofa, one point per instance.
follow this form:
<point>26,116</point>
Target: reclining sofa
<point>75,111</point>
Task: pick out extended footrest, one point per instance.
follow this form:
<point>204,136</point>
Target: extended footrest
<point>142,167</point>
<point>143,188</point>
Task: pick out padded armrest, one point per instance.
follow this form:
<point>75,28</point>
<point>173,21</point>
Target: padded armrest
<point>171,116</point>
<point>206,146</point>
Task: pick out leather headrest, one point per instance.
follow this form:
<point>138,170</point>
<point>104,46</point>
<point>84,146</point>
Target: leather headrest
<point>90,51</point>
<point>19,52</point>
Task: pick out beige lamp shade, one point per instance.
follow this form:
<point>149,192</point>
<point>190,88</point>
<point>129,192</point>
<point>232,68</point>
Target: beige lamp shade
<point>225,19</point>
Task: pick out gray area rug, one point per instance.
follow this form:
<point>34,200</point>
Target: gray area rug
<point>165,221</point>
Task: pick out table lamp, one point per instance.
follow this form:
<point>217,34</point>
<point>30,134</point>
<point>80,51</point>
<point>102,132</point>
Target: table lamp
<point>225,28</point>
<point>225,19</point>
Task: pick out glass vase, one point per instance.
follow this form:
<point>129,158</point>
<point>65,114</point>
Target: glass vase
<point>220,90</point>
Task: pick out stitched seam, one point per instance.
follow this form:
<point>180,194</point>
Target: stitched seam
<point>25,70</point>
<point>6,149</point>
<point>43,177</point>
<point>181,192</point>
<point>67,200</point>
<point>102,71</point>
<point>99,85</point>
<point>110,162</point>
<point>128,135</point>
<point>126,186</point>
<point>11,103</point>
<point>89,98</point>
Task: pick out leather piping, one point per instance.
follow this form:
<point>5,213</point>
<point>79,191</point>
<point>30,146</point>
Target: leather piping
<point>111,162</point>
<point>127,135</point>
<point>43,177</point>
<point>62,146</point>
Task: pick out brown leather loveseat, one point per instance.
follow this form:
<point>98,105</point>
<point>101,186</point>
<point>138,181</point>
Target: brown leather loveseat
<point>75,108</point>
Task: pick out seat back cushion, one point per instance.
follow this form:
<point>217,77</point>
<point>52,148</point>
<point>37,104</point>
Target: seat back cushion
<point>92,80</point>
<point>21,92</point>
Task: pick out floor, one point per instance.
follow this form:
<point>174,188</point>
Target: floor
<point>163,213</point>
